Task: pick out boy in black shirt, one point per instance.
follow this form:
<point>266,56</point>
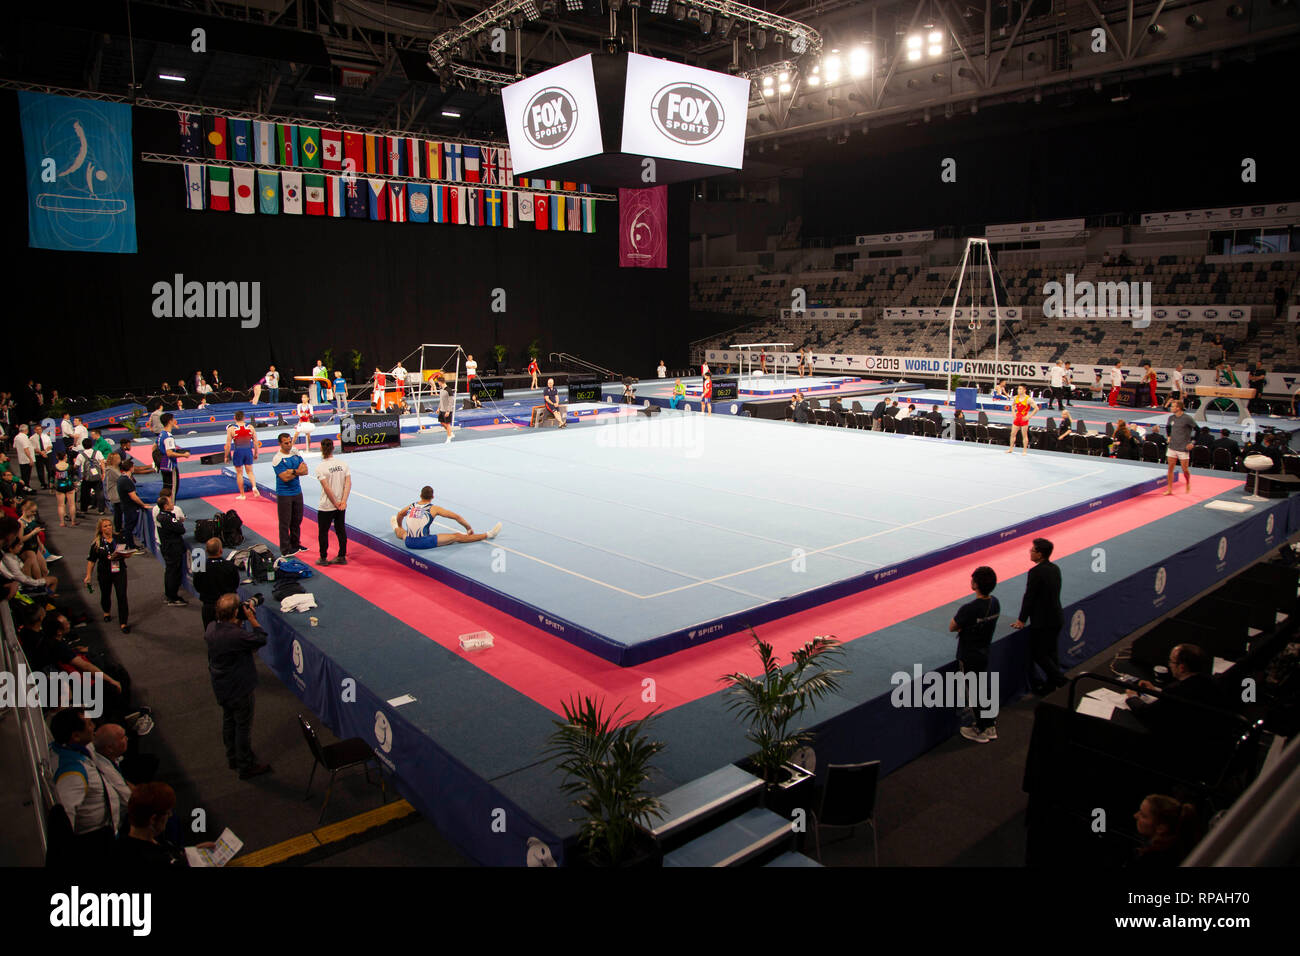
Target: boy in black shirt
<point>974,624</point>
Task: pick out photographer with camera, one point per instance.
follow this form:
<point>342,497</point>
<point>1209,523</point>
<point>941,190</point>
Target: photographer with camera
<point>231,651</point>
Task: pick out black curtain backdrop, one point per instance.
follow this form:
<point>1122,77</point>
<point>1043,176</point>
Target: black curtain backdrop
<point>83,323</point>
<point>1177,143</point>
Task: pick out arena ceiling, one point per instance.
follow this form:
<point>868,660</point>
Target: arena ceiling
<point>844,67</point>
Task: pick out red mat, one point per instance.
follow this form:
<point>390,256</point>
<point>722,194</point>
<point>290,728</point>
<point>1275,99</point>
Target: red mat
<point>549,670</point>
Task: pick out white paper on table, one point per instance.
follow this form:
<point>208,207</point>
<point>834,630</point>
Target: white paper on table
<point>1113,697</point>
<point>1095,708</point>
<point>227,846</point>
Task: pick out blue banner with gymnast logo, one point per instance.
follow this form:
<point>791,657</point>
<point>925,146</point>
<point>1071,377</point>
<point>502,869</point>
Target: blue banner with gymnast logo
<point>80,185</point>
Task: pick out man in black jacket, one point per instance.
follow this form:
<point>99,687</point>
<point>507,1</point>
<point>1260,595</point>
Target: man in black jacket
<point>217,577</point>
<point>171,543</point>
<point>799,408</point>
<point>1201,738</point>
<point>878,412</point>
<point>231,649</point>
<point>1041,611</point>
<point>1225,441</point>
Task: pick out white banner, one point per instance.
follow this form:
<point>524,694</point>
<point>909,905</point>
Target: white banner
<point>918,367</point>
<point>852,314</point>
<point>1036,230</point>
<point>1273,214</point>
<point>1009,314</point>
<point>896,238</point>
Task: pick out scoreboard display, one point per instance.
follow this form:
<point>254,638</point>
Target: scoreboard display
<point>368,432</point>
<point>725,389</point>
<point>584,388</point>
<point>488,389</point>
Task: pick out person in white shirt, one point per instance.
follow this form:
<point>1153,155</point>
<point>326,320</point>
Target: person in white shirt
<point>305,425</point>
<point>399,376</point>
<point>1175,387</point>
<point>43,447</point>
<point>90,463</point>
<point>273,385</point>
<point>471,369</point>
<point>704,369</point>
<point>1069,384</point>
<point>1058,386</point>
<point>94,800</point>
<point>26,456</point>
<point>318,387</point>
<point>335,485</point>
<point>79,432</point>
<point>1116,380</point>
<point>663,369</point>
<point>66,430</point>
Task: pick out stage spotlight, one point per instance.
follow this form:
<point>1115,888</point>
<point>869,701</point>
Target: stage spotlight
<point>706,23</point>
<point>693,16</point>
<point>760,40</point>
<point>914,48</point>
<point>1155,31</point>
<point>530,10</point>
<point>659,7</point>
<point>724,26</point>
<point>767,86</point>
<point>573,6</point>
<point>784,88</point>
<point>815,77</point>
<point>778,38</point>
<point>1195,21</point>
<point>832,65</point>
<point>679,11</point>
<point>858,60</point>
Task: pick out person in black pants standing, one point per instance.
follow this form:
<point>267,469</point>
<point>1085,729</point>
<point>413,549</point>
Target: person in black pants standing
<point>130,502</point>
<point>217,577</point>
<point>288,467</point>
<point>171,542</point>
<point>335,486</point>
<point>109,564</point>
<point>1041,612</point>
<point>231,650</point>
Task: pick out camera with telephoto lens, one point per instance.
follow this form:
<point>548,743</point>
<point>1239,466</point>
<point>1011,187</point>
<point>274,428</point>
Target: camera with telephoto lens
<point>255,601</point>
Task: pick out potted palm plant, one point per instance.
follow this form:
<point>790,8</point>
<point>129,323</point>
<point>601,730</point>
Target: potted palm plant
<point>772,704</point>
<point>501,352</point>
<point>605,759</point>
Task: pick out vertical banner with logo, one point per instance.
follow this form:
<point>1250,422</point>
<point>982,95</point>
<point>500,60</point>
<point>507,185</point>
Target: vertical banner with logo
<point>643,228</point>
<point>80,186</point>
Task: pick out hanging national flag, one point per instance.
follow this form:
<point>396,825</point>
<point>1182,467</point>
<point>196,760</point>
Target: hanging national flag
<point>378,199</point>
<point>588,211</point>
<point>454,205</point>
<point>508,169</point>
<point>354,153</point>
<point>268,192</point>
<point>493,213</point>
<point>473,207</point>
<point>291,190</point>
<point>374,154</point>
<point>439,203</point>
<point>215,145</point>
<point>508,208</point>
<point>418,201</point>
<point>219,188</point>
<point>526,201</point>
<point>490,166</point>
<point>570,187</point>
<point>357,197</point>
<point>397,202</point>
<point>287,145</point>
<point>541,208</point>
<point>245,191</point>
<point>415,158</point>
<point>395,148</point>
<point>433,160</point>
<point>462,205</point>
<point>191,127</point>
<point>335,193</point>
<point>573,214</point>
<point>453,165</point>
<point>331,149</point>
<point>241,144</point>
<point>473,170</point>
<point>263,143</point>
<point>193,185</point>
<point>556,205</point>
<point>313,193</point>
<point>309,146</point>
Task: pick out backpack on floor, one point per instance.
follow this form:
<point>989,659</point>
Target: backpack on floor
<point>232,529</point>
<point>205,529</point>
<point>254,562</point>
<point>291,568</point>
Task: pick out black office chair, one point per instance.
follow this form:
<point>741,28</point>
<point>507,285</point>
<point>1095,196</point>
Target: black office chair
<point>1201,456</point>
<point>1079,444</point>
<point>342,755</point>
<point>1110,429</point>
<point>1222,460</point>
<point>1080,427</point>
<point>929,429</point>
<point>1097,445</point>
<point>847,801</point>
<point>1051,424</point>
<point>890,423</point>
<point>983,417</point>
<point>982,433</point>
<point>1150,451</point>
<point>907,426</point>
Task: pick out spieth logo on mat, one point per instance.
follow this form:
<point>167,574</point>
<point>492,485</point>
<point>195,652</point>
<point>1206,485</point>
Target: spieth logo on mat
<point>687,113</point>
<point>879,575</point>
<point>1077,624</point>
<point>547,622</point>
<point>550,118</point>
<point>704,631</point>
<point>383,732</point>
<point>1008,534</point>
<point>297,657</point>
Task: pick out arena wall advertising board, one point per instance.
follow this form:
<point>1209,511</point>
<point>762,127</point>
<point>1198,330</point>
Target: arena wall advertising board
<point>918,367</point>
<point>674,111</point>
<point>552,117</point>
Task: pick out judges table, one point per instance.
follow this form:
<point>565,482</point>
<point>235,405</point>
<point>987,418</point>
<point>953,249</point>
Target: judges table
<point>1238,396</point>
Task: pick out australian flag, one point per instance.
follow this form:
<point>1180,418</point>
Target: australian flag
<point>191,130</point>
